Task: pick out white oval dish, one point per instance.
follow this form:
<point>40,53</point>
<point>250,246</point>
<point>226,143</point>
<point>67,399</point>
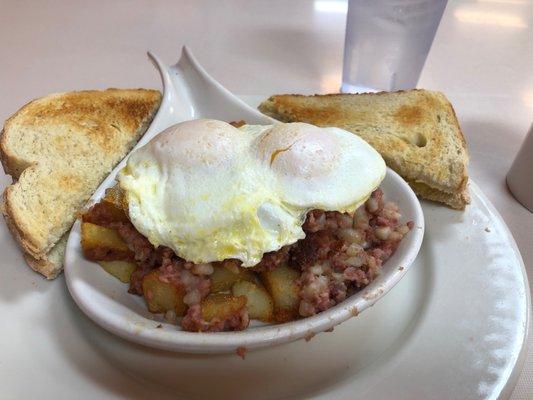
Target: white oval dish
<point>189,92</point>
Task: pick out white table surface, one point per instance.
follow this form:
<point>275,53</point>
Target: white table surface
<point>482,59</point>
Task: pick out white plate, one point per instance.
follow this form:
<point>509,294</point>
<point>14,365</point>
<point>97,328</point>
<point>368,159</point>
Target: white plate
<point>453,328</point>
<point>106,301</point>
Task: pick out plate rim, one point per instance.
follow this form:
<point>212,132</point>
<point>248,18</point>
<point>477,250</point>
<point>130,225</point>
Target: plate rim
<point>508,387</point>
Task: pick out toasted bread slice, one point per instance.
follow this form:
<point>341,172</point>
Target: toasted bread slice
<point>52,265</point>
<point>416,132</point>
<point>58,149</point>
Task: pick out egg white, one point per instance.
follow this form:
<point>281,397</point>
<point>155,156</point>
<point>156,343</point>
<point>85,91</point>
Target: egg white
<point>211,192</point>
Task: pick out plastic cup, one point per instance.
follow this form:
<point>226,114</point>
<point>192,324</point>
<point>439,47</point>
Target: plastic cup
<point>387,42</point>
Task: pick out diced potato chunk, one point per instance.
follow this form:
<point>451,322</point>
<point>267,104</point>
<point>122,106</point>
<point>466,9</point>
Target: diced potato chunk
<point>111,208</point>
<point>162,296</point>
<point>103,244</point>
<point>119,269</point>
<point>282,285</point>
<point>222,278</point>
<point>104,213</point>
<point>115,195</point>
<point>258,301</point>
<point>222,306</point>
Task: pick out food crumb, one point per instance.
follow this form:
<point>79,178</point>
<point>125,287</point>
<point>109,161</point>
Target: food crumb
<point>401,268</point>
<point>159,326</point>
<point>355,312</point>
<point>238,124</point>
<point>487,229</point>
<point>241,351</point>
<point>309,336</point>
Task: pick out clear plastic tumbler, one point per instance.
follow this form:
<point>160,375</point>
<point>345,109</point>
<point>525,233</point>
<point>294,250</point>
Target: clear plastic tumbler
<point>387,42</point>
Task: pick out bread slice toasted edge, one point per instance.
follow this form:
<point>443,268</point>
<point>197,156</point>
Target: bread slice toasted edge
<point>52,265</point>
<point>49,262</point>
<point>457,201</point>
<point>22,233</point>
<point>281,108</point>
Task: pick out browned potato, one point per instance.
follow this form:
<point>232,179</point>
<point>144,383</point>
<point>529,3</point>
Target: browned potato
<point>119,269</point>
<point>112,208</point>
<point>282,285</point>
<point>115,195</point>
<point>222,306</point>
<point>222,278</point>
<point>104,213</point>
<point>103,244</point>
<point>162,296</point>
<point>258,301</point>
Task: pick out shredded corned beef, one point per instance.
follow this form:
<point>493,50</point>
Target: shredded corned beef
<point>272,259</point>
<point>340,254</point>
<point>343,253</point>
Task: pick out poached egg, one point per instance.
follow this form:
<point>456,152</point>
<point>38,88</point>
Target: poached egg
<point>211,191</point>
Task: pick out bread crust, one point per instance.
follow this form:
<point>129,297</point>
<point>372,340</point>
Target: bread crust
<point>457,201</point>
<point>43,147</point>
<point>46,267</point>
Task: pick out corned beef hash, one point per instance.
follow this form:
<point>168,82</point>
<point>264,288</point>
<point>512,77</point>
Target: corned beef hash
<point>215,225</point>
